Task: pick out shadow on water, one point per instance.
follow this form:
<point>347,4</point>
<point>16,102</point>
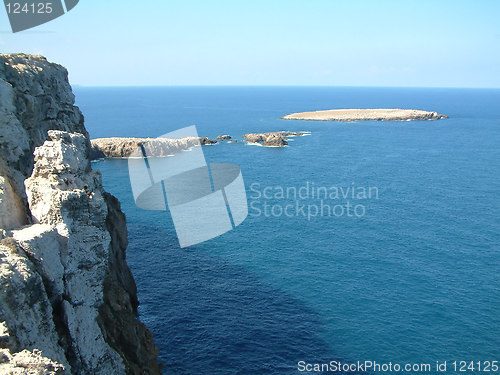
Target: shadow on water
<point>211,316</point>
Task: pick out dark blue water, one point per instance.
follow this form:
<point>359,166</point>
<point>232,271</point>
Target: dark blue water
<point>415,279</point>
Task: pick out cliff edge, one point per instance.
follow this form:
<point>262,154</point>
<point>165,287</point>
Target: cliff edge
<point>68,301</point>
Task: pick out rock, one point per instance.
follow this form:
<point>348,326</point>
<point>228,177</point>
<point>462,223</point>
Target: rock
<point>273,139</point>
<point>204,141</point>
<point>293,134</point>
<point>350,115</point>
<point>267,139</point>
<point>68,301</point>
<point>223,137</point>
<point>233,141</point>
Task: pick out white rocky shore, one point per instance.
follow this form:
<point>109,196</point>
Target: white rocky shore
<point>378,114</point>
<point>68,301</point>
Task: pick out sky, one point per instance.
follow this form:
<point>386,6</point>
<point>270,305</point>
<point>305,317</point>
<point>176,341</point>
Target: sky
<point>408,43</point>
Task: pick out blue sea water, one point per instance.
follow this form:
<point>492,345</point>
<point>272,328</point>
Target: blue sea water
<point>414,280</point>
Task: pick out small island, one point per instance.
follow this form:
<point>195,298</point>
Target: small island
<point>379,114</point>
<point>272,139</point>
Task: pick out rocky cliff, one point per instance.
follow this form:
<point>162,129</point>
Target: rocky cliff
<point>68,301</point>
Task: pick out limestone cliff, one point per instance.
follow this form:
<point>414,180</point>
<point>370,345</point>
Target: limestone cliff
<point>68,301</point>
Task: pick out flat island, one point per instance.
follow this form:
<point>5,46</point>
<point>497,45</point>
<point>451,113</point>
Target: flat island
<point>379,114</point>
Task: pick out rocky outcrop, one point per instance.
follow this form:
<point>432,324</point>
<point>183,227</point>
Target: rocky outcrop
<point>68,301</point>
<point>35,96</point>
<point>273,139</point>
<point>116,147</point>
<point>204,141</point>
<point>350,115</point>
<point>123,147</point>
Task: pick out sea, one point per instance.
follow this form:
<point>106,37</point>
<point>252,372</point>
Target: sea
<point>365,242</point>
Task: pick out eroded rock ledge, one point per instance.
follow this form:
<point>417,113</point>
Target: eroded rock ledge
<point>68,301</point>
<point>350,115</point>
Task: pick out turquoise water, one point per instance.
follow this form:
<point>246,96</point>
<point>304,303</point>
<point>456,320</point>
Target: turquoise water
<point>415,279</point>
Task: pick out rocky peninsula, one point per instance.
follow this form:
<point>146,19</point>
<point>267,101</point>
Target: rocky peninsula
<point>350,115</point>
<point>116,147</point>
<point>68,300</point>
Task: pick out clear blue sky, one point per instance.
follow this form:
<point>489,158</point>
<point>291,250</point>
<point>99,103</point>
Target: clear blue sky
<point>271,42</point>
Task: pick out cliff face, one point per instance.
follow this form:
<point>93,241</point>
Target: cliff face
<point>68,301</point>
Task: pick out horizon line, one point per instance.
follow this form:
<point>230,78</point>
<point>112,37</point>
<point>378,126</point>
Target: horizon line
<point>278,86</point>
